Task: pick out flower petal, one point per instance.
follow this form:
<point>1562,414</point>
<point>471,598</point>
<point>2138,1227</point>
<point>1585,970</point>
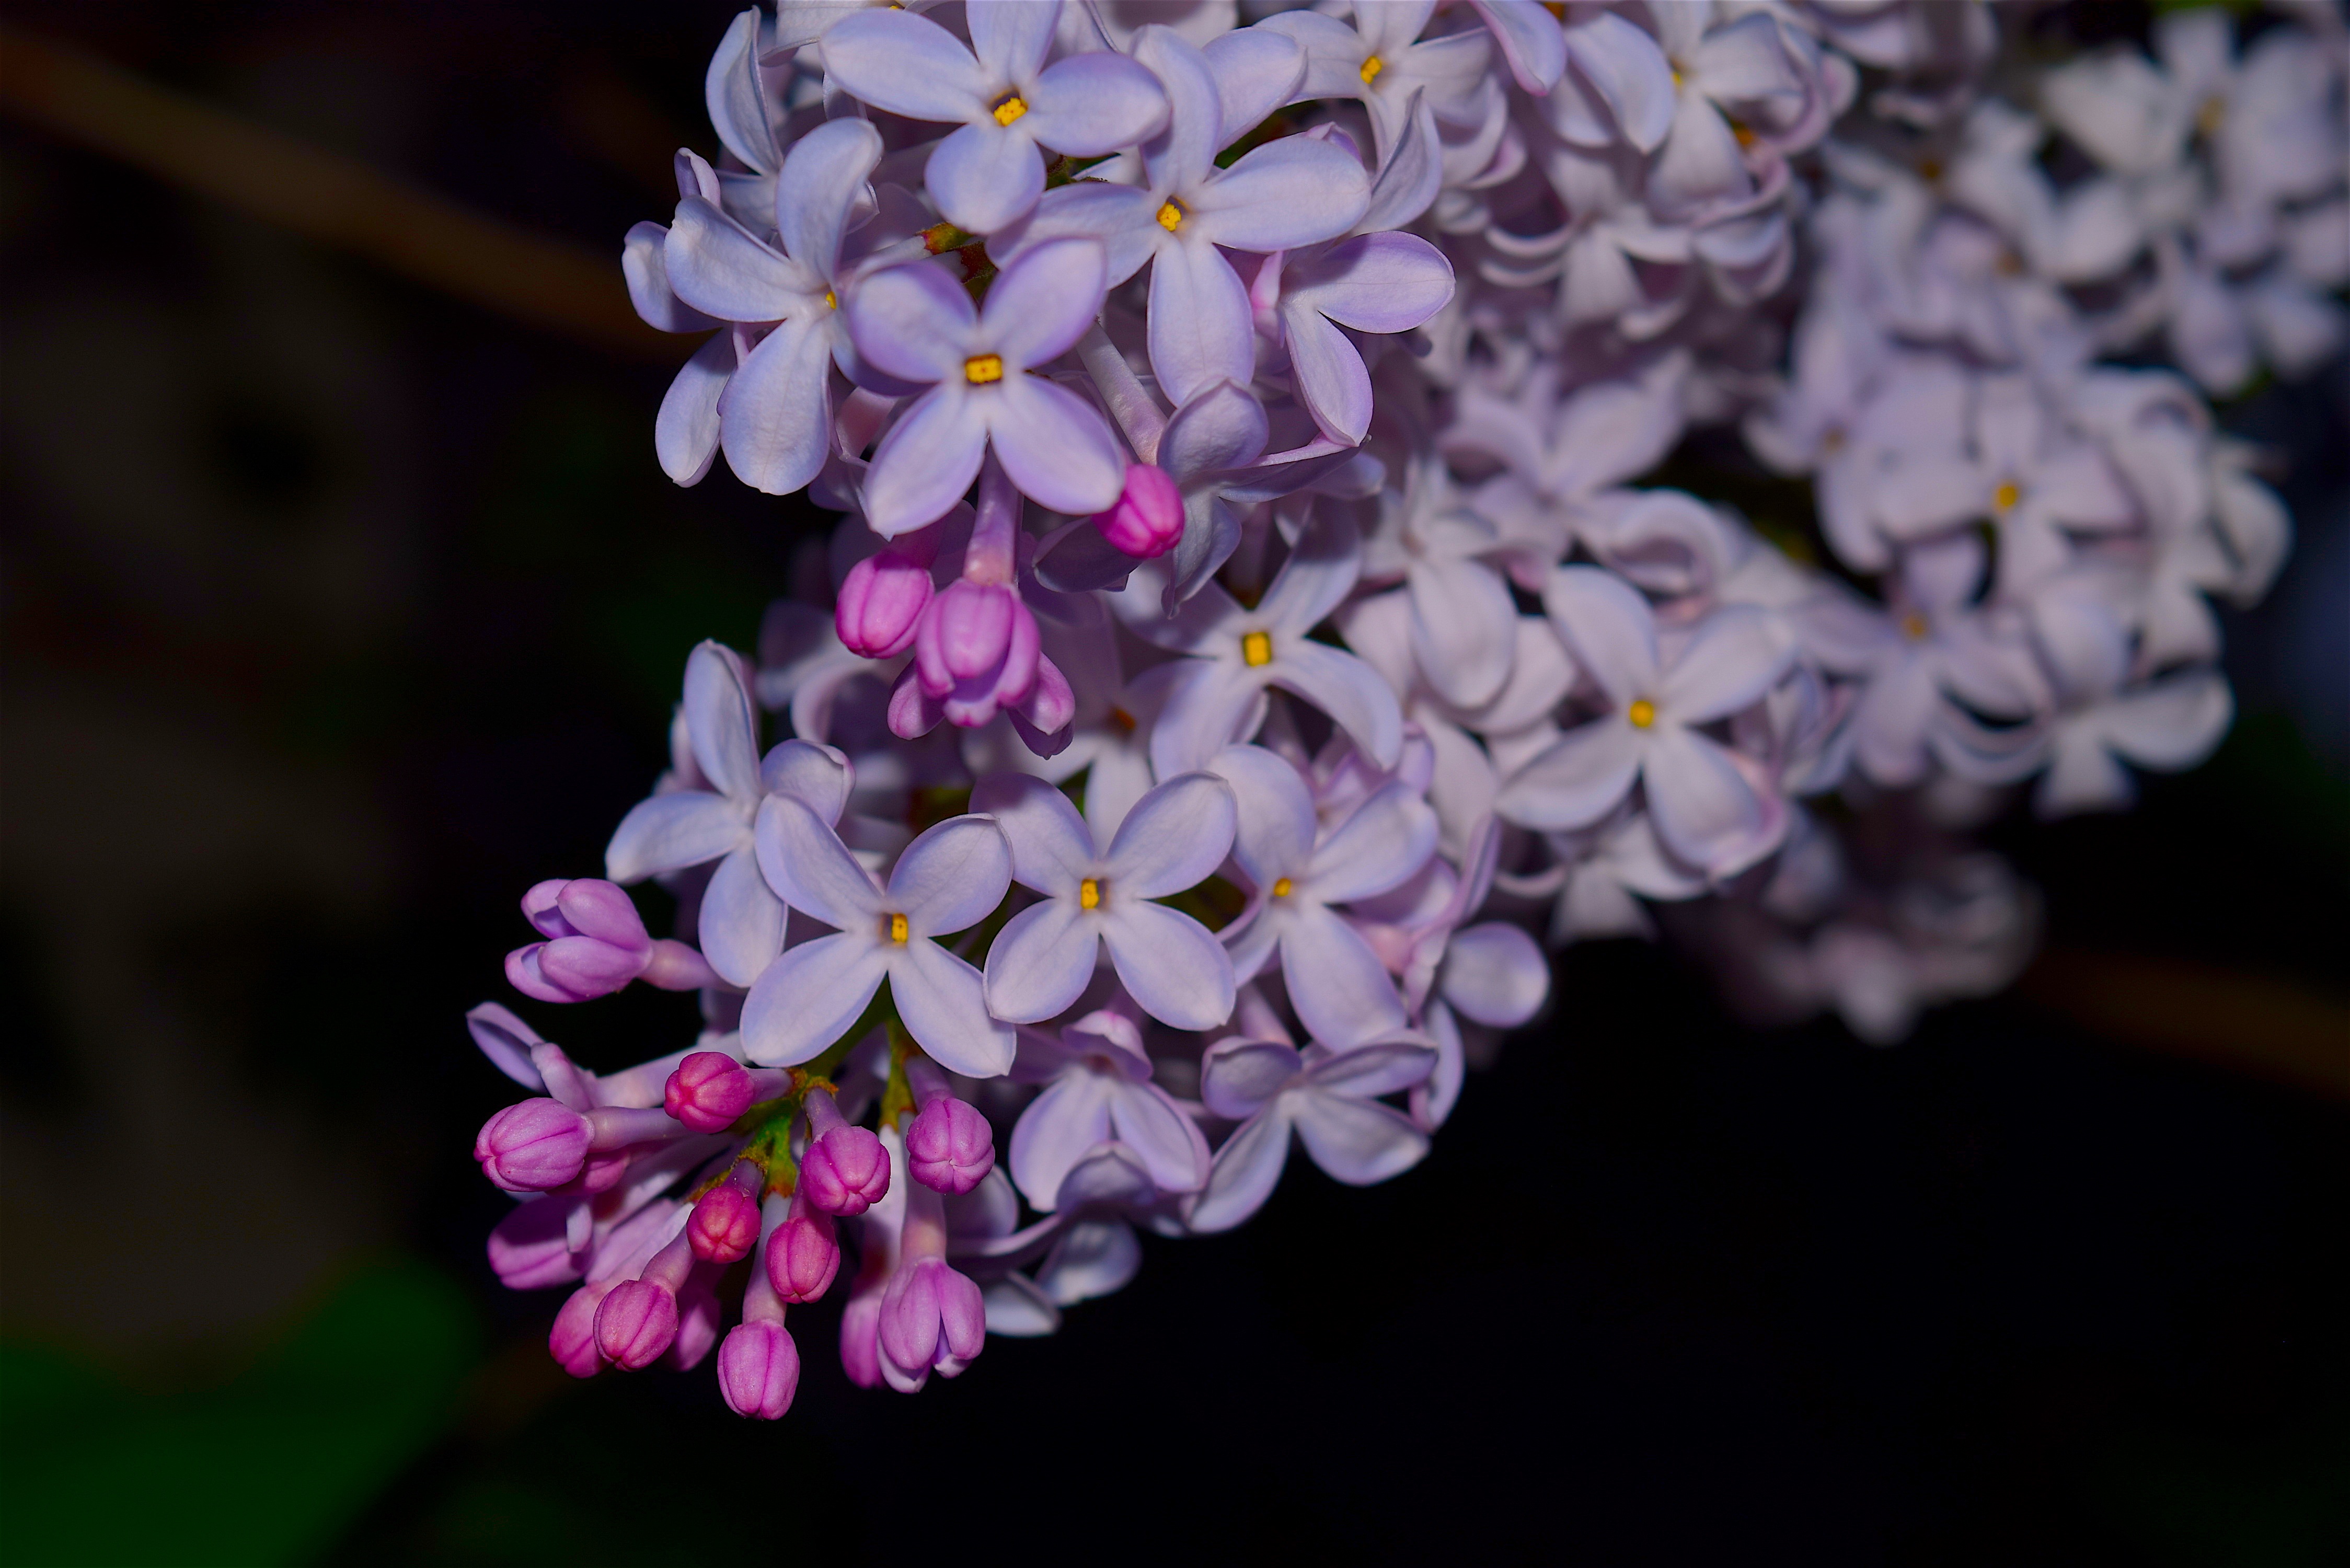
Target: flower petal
<point>985,175</point>
<point>906,64</point>
<point>685,430</point>
<point>1705,810</point>
<point>1275,820</point>
<point>1382,845</point>
<point>1366,1071</point>
<point>1326,373</point>
<point>1054,446</point>
<point>1173,966</point>
<point>775,418</point>
<point>823,175</point>
<point>1091,104</point>
<point>670,832</point>
<point>1375,283</point>
<point>1040,305</point>
<point>1146,1119</point>
<point>1495,974</point>
<point>913,322</point>
<point>1209,703</point>
<point>1059,1127</point>
<point>1608,627</point>
<point>927,461</point>
<point>1042,962</point>
<point>807,998</point>
<point>1349,691</point>
<point>1340,989</point>
<point>1174,838</point>
<point>1736,655</point>
<point>1359,1142</point>
<point>1293,192</point>
<point>1464,629</point>
<point>1244,1173</point>
<point>1200,329</point>
<point>1052,848</point>
<point>1577,780</point>
<point>952,876</point>
<point>1223,427</point>
<point>719,268</point>
<point>806,862</point>
<point>1238,1076</point>
<point>741,920</point>
<point>722,722</point>
<point>1092,1258</point>
<point>942,1001</point>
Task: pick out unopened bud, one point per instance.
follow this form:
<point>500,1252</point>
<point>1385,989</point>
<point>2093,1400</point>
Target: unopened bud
<point>708,1090</point>
<point>1149,518</point>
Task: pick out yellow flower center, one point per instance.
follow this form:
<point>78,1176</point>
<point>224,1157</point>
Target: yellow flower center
<point>897,927</point>
<point>1169,216</point>
<point>982,368</point>
<point>1913,627</point>
<point>1122,720</point>
<point>1089,894</point>
<point>1010,110</point>
<point>2004,498</point>
<point>1743,136</point>
<point>1677,78</point>
<point>831,300</point>
<point>1643,714</point>
<point>1371,69</point>
<point>1281,885</point>
<point>2211,114</point>
<point>1256,649</point>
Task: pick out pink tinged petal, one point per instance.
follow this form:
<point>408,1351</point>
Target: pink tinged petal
<point>1287,194</point>
<point>1092,1258</point>
<point>1256,70</point>
<point>775,418</point>
<point>1239,1077</point>
<point>1059,1128</point>
<point>1577,781</point>
<point>1608,627</point>
<point>1349,691</point>
<point>759,1368</point>
<point>741,920</point>
<point>1276,825</point>
<point>685,430</point>
<point>1244,1174</point>
<point>1495,974</point>
<point>1359,1142</point>
<point>952,876</point>
<point>670,832</point>
<point>943,1002</point>
<point>645,267</point>
<point>1630,75</point>
<point>1198,327</point>
<point>1707,813</point>
<point>722,722</point>
<point>1173,839</point>
<point>985,175</point>
<point>1737,654</point>
<point>927,461</point>
<point>1088,105</point>
<point>1327,375</point>
<point>1222,427</point>
<point>809,996</point>
<point>1054,446</point>
<point>1042,960</point>
<point>1052,848</point>
<point>1209,703</point>
<point>2171,724</point>
<point>913,322</point>
<point>1376,282</point>
<point>822,178</point>
<point>1340,989</point>
<point>1041,303</point>
<point>806,863</point>
<point>1171,964</point>
<point>1383,844</point>
<point>906,64</point>
<point>1531,41</point>
<point>1464,632</point>
<point>1148,1120</point>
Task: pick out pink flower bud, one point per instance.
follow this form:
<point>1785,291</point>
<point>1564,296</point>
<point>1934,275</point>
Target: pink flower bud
<point>803,1255</point>
<point>636,1322</point>
<point>533,1146</point>
<point>949,1147</point>
<point>846,1171</point>
<point>880,601</point>
<point>759,1370</point>
<point>596,942</point>
<point>1149,518</point>
<point>724,1226</point>
<point>860,1339</point>
<point>931,1316</point>
<point>708,1090</point>
<point>531,1247</point>
<point>967,633</point>
<point>572,1341</point>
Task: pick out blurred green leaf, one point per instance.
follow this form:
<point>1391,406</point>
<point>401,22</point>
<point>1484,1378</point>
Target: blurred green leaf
<point>265,1470</point>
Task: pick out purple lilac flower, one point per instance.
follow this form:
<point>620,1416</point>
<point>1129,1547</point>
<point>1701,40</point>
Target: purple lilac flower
<point>1097,1089</point>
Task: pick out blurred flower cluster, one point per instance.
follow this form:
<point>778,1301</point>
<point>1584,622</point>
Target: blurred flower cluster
<point>1243,636</point>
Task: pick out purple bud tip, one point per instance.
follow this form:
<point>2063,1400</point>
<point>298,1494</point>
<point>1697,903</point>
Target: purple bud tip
<point>572,1341</point>
<point>803,1255</point>
<point>1149,518</point>
<point>759,1370</point>
<point>533,1146</point>
<point>846,1171</point>
<point>949,1147</point>
<point>636,1324</point>
<point>931,1316</point>
<point>880,601</point>
<point>966,633</point>
<point>708,1090</point>
<point>724,1226</point>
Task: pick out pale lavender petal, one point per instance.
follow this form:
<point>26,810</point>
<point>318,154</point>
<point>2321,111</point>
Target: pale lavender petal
<point>1091,104</point>
<point>1207,704</point>
<point>906,64</point>
<point>985,175</point>
<point>716,267</point>
<point>1276,820</point>
<point>722,721</point>
<point>685,430</point>
<point>1334,52</point>
<point>1530,39</point>
<point>1293,192</point>
<point>1042,959</point>
<point>1340,989</point>
<point>1239,1077</point>
<point>1316,579</point>
<point>1039,306</point>
<point>670,832</point>
<point>1121,218</point>
<point>1464,629</point>
<point>1221,428</point>
<point>1383,844</point>
<point>1327,374</point>
<point>1736,655</point>
<point>1608,627</point>
<point>1012,41</point>
<point>1706,812</point>
<point>1698,163</point>
<point>2173,724</point>
<point>943,1003</point>
<point>1349,691</point>
<point>823,175</point>
<point>1495,974</point>
<point>1170,963</point>
<point>1054,446</point>
<point>819,775</point>
<point>741,920</point>
<point>913,322</point>
<point>732,93</point>
<point>1182,153</point>
<point>1173,839</point>
<point>1359,1142</point>
<point>1092,1258</point>
<point>1376,282</point>
<point>1630,74</point>
<point>644,264</point>
<point>1052,848</point>
<point>1059,1128</point>
<point>1256,70</point>
<point>1577,781</point>
<point>807,998</point>
<point>1198,324</point>
<point>1743,61</point>
<point>806,862</point>
<point>1366,1071</point>
<point>1244,1174</point>
<point>775,418</point>
<point>952,876</point>
<point>927,461</point>
<point>1148,1121</point>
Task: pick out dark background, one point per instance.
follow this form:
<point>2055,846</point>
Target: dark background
<point>338,610</point>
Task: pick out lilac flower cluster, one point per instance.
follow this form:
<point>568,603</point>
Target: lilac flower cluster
<point>1242,624</point>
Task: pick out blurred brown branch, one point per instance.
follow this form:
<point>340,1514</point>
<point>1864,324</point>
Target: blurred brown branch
<point>551,283</point>
<point>2267,1027</point>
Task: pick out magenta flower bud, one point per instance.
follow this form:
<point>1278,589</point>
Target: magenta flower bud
<point>636,1322</point>
<point>880,601</point>
<point>803,1255</point>
<point>949,1147</point>
<point>708,1090</point>
<point>965,634</point>
<point>572,1340</point>
<point>860,1339</point>
<point>531,1247</point>
<point>1149,518</point>
<point>697,1321</point>
<point>846,1171</point>
<point>931,1316</point>
<point>759,1370</point>
<point>724,1226</point>
<point>533,1146</point>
